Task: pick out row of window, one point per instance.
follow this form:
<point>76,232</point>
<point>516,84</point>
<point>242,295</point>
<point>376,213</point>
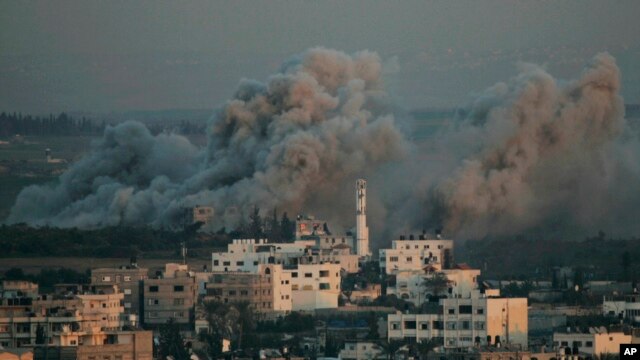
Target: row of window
<point>155,314</point>
<point>176,301</point>
<point>465,309</point>
<point>176,288</point>
<point>577,344</point>
<point>127,278</point>
<point>439,325</point>
<point>322,273</point>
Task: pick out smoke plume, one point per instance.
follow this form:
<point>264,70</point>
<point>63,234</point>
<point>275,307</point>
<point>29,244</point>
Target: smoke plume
<point>321,120</point>
<point>533,154</point>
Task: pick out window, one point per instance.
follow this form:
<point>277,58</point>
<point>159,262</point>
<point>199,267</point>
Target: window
<point>178,301</point>
<point>395,326</point>
<point>424,326</point>
<point>564,343</point>
<point>106,278</point>
<point>465,325</point>
<point>480,311</point>
<point>127,278</point>
<point>308,275</point>
<point>589,344</point>
<point>255,263</point>
<point>216,262</point>
<point>239,263</point>
<point>409,259</point>
<point>153,314</point>
<point>153,288</point>
<point>325,286</point>
<point>244,293</point>
<point>324,273</point>
<point>127,291</point>
<point>294,287</point>
<point>178,288</point>
<point>465,309</point>
<point>451,311</point>
<point>478,325</point>
<point>452,325</point>
<point>226,263</point>
<point>153,302</point>
<point>393,259</point>
<point>410,325</point>
<point>294,274</point>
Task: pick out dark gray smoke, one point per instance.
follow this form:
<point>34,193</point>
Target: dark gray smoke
<point>533,154</point>
<point>321,121</point>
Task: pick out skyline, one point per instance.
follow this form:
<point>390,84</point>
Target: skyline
<point>104,57</point>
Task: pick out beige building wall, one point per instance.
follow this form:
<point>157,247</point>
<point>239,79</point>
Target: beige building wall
<point>168,298</point>
<point>508,318</point>
<point>128,281</point>
<point>315,286</point>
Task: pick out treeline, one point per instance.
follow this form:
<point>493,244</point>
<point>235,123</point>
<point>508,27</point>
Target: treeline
<point>272,227</point>
<point>47,278</point>
<point>115,241</point>
<point>60,125</point>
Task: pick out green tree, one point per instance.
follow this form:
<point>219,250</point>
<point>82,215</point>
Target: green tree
<point>436,284</point>
<point>255,224</point>
<point>287,227</point>
<point>172,342</point>
<point>275,232</point>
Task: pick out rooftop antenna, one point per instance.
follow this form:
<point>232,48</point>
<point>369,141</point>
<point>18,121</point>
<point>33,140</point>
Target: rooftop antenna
<point>184,253</point>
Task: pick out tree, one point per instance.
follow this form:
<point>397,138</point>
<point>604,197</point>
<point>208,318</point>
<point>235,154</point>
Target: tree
<point>422,348</point>
<point>275,232</point>
<point>391,347</point>
<point>287,227</point>
<point>626,265</point>
<point>436,284</point>
<point>172,342</point>
<point>255,224</point>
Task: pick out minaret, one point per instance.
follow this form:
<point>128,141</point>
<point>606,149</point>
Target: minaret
<point>362,231</point>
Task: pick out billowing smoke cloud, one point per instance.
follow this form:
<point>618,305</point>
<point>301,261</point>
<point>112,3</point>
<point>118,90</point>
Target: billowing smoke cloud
<point>322,121</point>
<point>534,154</point>
<point>543,155</point>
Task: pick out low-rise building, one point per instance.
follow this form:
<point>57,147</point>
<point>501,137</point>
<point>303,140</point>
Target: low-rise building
<point>592,341</point>
<point>623,307</point>
<point>361,350</point>
<point>315,286</point>
<point>415,254</point>
<point>466,322</point>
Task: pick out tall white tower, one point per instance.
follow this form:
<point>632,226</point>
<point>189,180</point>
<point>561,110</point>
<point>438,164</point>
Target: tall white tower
<point>362,231</point>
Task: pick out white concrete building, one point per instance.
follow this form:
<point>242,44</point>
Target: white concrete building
<point>624,307</point>
<point>595,341</point>
<point>315,286</point>
<point>415,255</point>
<point>466,322</point>
<point>411,285</point>
<point>361,350</point>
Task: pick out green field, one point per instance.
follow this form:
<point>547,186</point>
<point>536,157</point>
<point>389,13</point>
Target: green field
<point>22,163</point>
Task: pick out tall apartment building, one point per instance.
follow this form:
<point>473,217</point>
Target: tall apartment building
<point>171,296</point>
<point>129,281</point>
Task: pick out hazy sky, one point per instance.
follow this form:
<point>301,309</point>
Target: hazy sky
<point>123,55</point>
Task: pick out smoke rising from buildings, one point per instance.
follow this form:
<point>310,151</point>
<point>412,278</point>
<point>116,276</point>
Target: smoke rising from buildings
<point>530,154</point>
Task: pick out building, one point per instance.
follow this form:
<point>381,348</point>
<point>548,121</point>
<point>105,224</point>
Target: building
<point>198,214</point>
<point>592,341</point>
<point>125,345</point>
<point>129,281</point>
<point>21,319</point>
<point>314,286</point>
<point>268,290</point>
<point>171,296</point>
<point>248,254</point>
<point>362,230</point>
<point>416,254</point>
<point>310,226</point>
<point>413,286</point>
<point>466,323</point>
<point>623,307</point>
<point>361,350</point>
